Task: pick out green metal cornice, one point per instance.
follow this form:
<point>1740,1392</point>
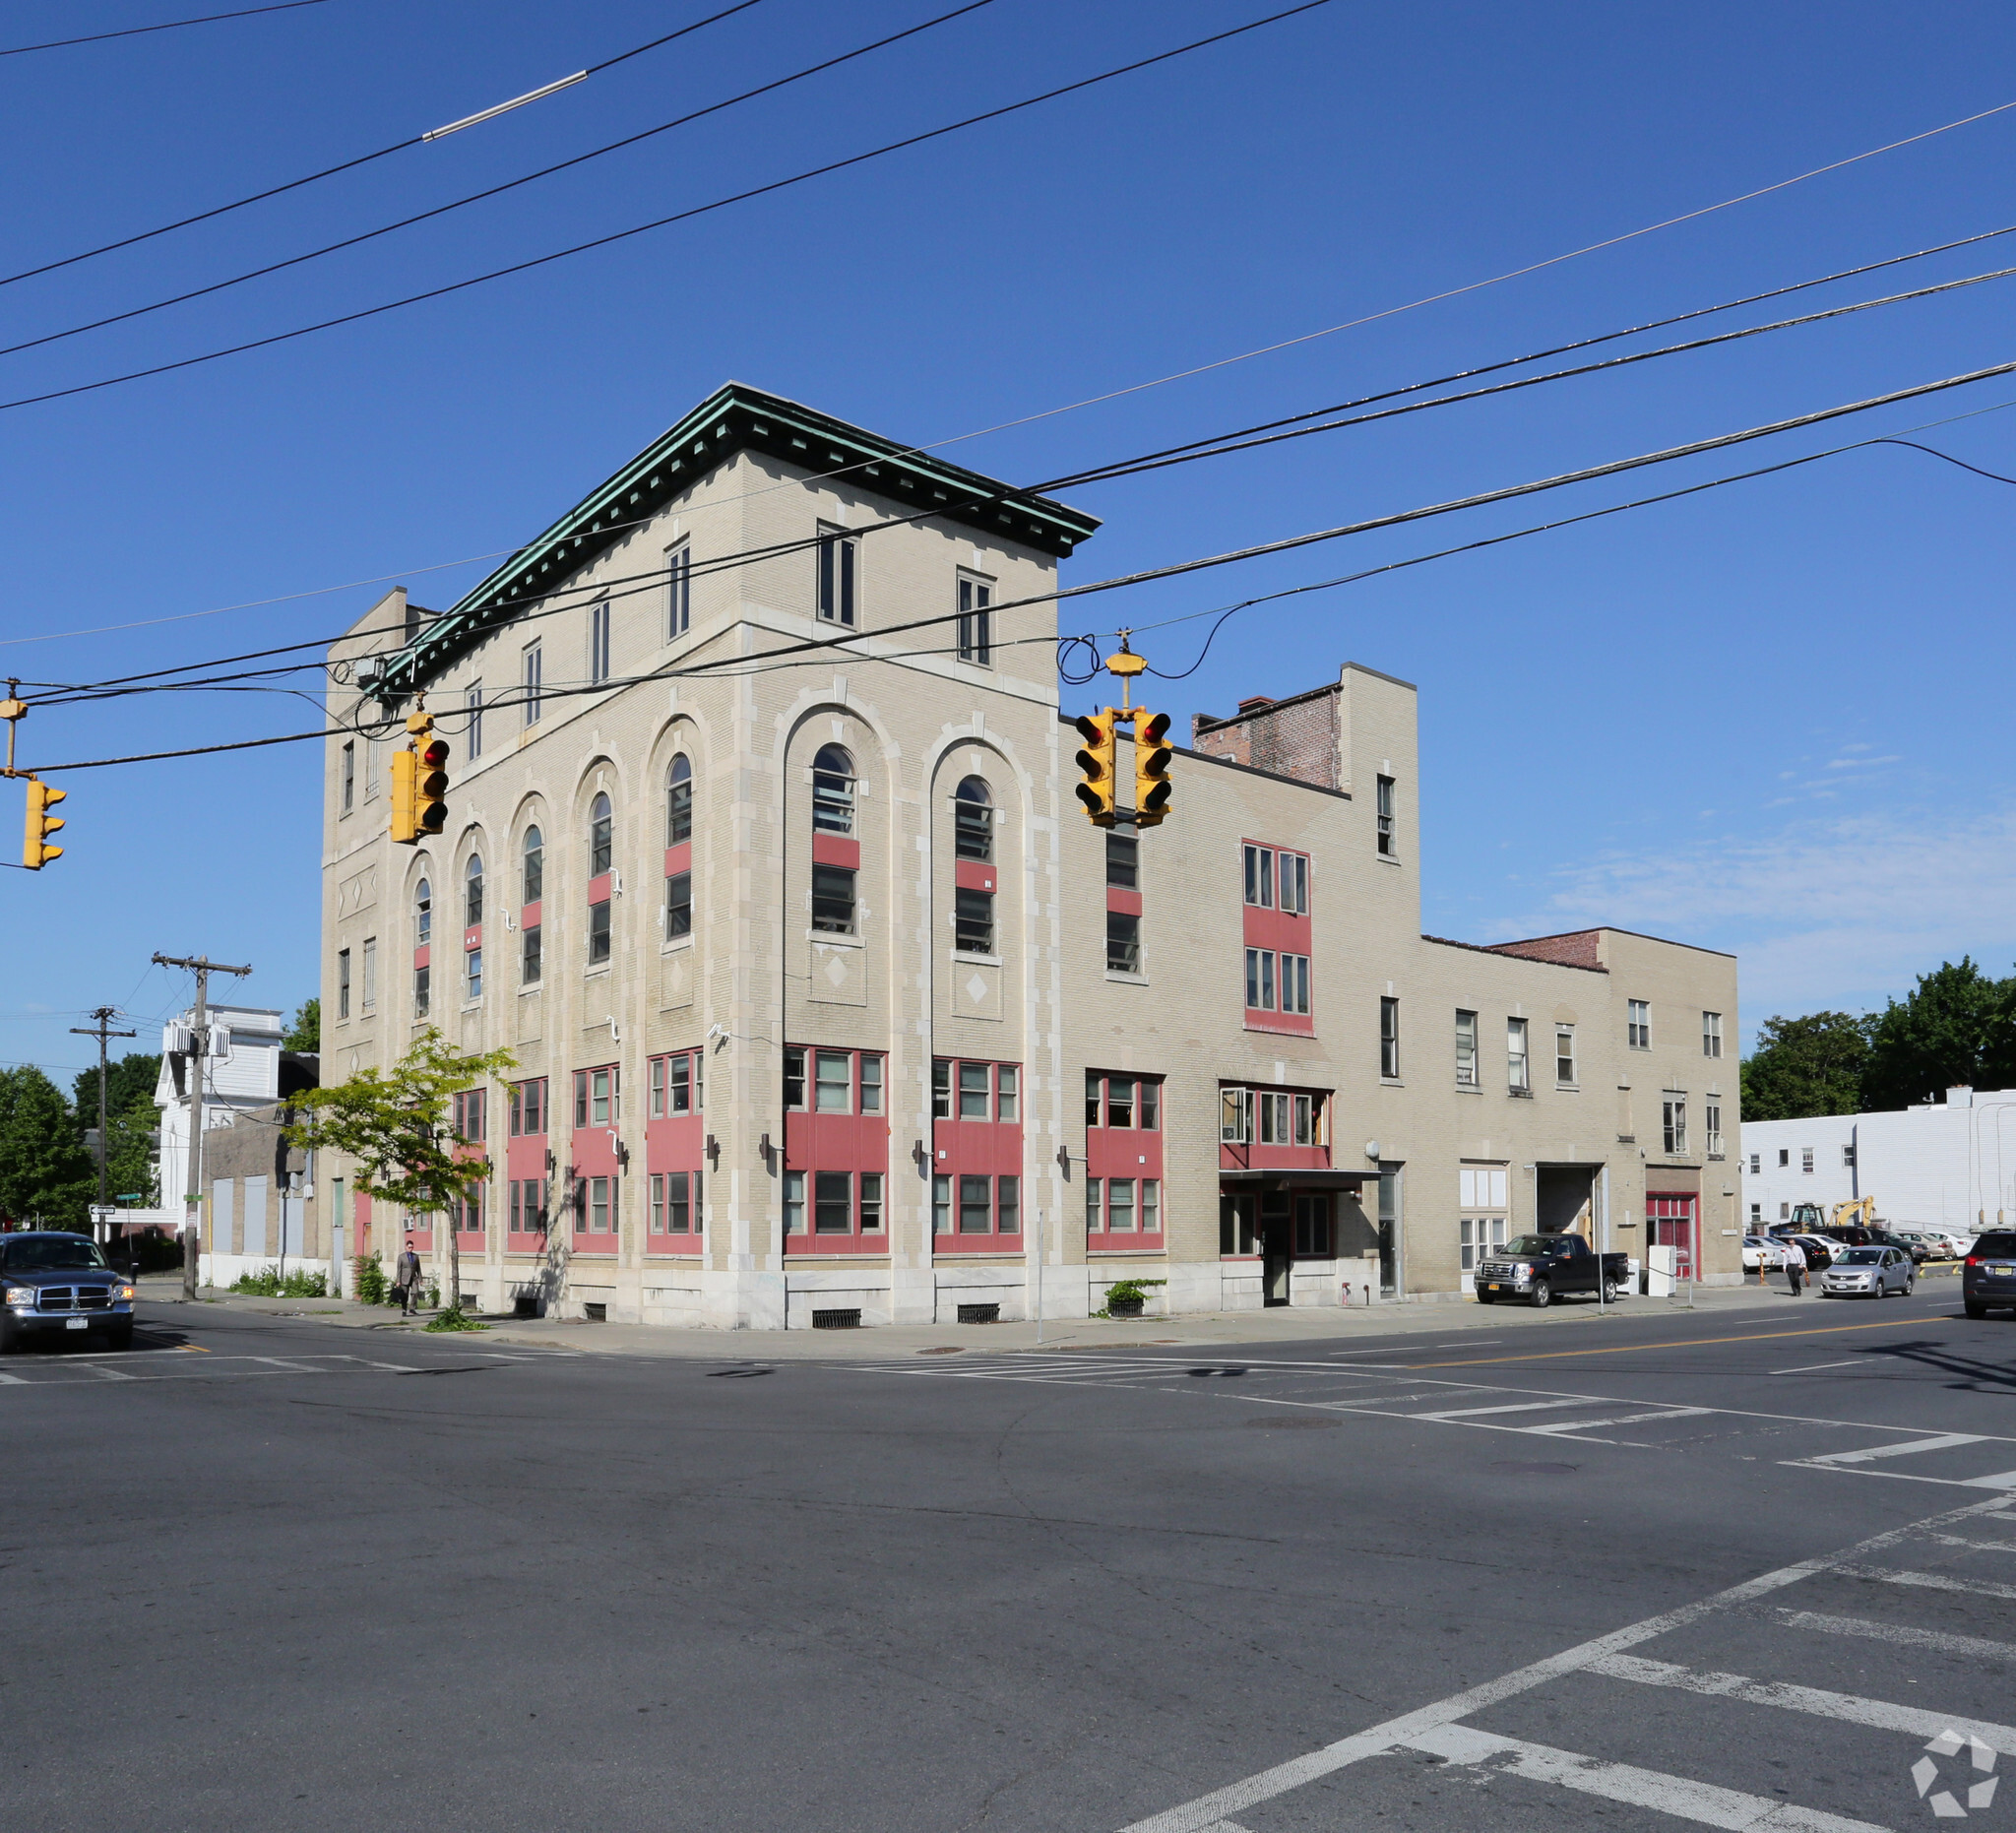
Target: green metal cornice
<point>733,418</point>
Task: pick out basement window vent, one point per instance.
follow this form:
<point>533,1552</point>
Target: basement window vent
<point>836,1320</point>
<point>979,1314</point>
<point>596,1313</point>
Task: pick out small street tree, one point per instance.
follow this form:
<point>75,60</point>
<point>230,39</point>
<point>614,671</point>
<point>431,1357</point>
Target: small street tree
<point>394,1126</point>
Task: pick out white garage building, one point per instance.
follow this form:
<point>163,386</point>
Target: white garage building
<point>1948,1164</point>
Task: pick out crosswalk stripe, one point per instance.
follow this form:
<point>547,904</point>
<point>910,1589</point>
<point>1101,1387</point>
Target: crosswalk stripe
<point>1475,1413</point>
<point>1944,1442</point>
<point>1907,1635</point>
<point>1930,1581</point>
<point>2001,1479</point>
<point>1704,1802</point>
<point>1628,1419</point>
<point>1880,1714</point>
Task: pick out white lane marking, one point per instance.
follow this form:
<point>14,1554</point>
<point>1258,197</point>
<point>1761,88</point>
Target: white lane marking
<point>1628,1419</point>
<point>2001,1479</point>
<point>1527,1406</point>
<point>109,1373</point>
<point>1195,1816</point>
<point>1854,1361</point>
<point>8,1380</point>
<point>1944,1442</point>
<point>1904,1634</point>
<point>1930,1581</point>
<point>1980,1547</point>
<point>1680,1796</point>
<point>1878,1714</point>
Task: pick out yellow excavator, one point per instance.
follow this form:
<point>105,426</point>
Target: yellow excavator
<point>1806,1217</point>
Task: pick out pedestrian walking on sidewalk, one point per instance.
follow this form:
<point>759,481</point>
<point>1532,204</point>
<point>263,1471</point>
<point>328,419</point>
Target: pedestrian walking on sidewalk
<point>407,1280</point>
<point>1795,1266</point>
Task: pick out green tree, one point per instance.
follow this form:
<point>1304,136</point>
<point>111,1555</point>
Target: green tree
<point>1957,1026</point>
<point>305,1033</point>
<point>45,1175</point>
<point>130,1167</point>
<point>1805,1066</point>
<point>394,1128</point>
<point>127,1080</point>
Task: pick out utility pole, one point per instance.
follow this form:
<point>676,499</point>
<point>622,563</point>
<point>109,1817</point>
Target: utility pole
<point>104,1015</point>
<point>198,1046</point>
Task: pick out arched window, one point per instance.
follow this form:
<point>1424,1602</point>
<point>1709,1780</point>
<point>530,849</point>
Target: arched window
<point>832,791</point>
<point>423,912</point>
<point>424,929</point>
<point>679,802</point>
<point>533,855</point>
<point>473,891</point>
<point>600,843</point>
<point>973,820</point>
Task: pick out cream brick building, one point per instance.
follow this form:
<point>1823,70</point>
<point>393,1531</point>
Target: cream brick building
<point>827,999</point>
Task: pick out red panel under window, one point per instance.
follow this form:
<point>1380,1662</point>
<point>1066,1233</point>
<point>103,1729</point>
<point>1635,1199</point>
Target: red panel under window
<point>362,1244</point>
<point>838,1142</point>
<point>1288,1024</point>
<point>679,859</point>
<point>1127,902</point>
<point>473,937</point>
<point>837,850</point>
<point>528,918</point>
<point>1271,929</point>
<point>598,888</point>
<point>1273,1157</point>
<point>421,956</point>
<point>975,1148</point>
<point>973,874</point>
<point>1122,1151</point>
<point>675,1143</point>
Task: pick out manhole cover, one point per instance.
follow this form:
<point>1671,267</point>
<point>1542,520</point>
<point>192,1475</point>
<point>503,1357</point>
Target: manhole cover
<point>1538,1470</point>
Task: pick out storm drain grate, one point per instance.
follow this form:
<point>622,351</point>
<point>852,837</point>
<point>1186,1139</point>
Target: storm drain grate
<point>836,1320</point>
<point>979,1314</point>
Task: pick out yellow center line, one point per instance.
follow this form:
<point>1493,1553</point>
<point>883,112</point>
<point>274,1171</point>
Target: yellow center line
<point>1692,1343</point>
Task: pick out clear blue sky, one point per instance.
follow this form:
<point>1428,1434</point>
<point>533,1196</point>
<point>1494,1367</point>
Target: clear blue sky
<point>1769,719</point>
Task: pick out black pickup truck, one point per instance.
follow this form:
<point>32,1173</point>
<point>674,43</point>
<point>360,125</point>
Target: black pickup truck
<point>1540,1268</point>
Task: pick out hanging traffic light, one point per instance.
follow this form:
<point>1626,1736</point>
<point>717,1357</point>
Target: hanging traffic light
<point>405,829</point>
<point>36,851</point>
<point>431,775</point>
<point>1152,754</point>
<point>1097,760</point>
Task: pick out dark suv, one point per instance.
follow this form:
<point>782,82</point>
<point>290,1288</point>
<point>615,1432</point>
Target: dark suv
<point>1988,1274</point>
<point>61,1282</point>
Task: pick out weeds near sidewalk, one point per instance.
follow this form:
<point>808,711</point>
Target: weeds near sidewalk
<point>453,1319</point>
<point>270,1283</point>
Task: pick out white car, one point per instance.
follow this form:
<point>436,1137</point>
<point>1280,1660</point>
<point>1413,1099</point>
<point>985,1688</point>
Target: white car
<point>1869,1273</point>
<point>1761,1251</point>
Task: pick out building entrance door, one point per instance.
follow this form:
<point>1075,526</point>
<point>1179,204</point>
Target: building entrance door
<point>1277,1247</point>
<point>1669,1222</point>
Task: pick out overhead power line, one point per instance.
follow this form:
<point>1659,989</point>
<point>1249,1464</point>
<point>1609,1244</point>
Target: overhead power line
<point>659,223</point>
<point>350,165</point>
<point>497,190</point>
<point>170,25</point>
<point>788,653</point>
<point>566,597</point>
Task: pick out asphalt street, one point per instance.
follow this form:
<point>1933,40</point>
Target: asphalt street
<point>1737,1569</point>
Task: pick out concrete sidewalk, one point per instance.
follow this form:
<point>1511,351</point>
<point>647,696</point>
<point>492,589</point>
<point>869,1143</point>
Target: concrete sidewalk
<point>1215,1329</point>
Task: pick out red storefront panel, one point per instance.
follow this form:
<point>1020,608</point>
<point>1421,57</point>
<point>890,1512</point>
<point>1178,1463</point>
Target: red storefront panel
<point>527,1168</point>
<point>595,1199</point>
<point>674,1144</point>
<point>1123,1147</point>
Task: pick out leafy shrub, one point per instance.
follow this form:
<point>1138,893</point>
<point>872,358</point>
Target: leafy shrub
<point>270,1283</point>
<point>453,1319</point>
<point>1126,1292</point>
<point>371,1285</point>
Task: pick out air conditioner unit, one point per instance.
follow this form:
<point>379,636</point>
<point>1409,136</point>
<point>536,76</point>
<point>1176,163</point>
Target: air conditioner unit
<point>176,1039</point>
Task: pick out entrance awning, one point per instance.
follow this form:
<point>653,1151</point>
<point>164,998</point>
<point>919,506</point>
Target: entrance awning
<point>1297,1180</point>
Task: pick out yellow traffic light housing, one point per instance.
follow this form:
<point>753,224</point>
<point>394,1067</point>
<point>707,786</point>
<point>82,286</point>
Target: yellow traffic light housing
<point>1097,760</point>
<point>405,828</point>
<point>430,787</point>
<point>1152,754</point>
<point>36,851</point>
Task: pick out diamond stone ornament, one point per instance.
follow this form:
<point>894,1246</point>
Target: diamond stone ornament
<point>1929,1775</point>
